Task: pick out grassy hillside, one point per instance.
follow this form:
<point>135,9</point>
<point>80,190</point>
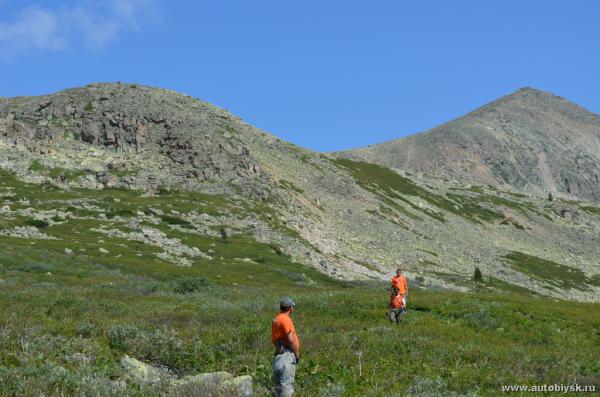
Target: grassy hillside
<point>77,300</point>
<point>70,321</point>
<point>180,281</point>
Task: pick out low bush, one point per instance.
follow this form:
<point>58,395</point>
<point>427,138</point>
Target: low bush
<point>477,275</point>
<point>120,336</point>
<point>188,285</point>
<point>277,249</point>
<point>173,220</point>
<point>37,223</point>
<point>223,234</point>
<point>86,329</point>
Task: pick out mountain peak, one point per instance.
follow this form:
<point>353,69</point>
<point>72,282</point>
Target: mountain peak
<point>530,94</point>
<point>531,90</point>
<point>530,140</point>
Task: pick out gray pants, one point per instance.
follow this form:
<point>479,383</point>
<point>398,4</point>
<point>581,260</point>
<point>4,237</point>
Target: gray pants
<point>396,315</point>
<point>284,371</point>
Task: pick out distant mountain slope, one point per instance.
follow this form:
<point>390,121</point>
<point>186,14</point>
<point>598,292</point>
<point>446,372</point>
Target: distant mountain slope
<point>530,140</point>
<point>135,166</point>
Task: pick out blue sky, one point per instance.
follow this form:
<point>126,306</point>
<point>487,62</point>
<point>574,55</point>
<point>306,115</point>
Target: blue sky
<point>326,75</point>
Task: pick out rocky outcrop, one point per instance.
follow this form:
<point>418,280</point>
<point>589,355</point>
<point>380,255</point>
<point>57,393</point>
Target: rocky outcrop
<point>206,384</point>
<point>195,136</point>
<point>29,232</point>
<point>174,250</point>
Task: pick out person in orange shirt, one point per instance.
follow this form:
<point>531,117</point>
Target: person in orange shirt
<point>399,281</point>
<point>397,306</point>
<point>287,349</point>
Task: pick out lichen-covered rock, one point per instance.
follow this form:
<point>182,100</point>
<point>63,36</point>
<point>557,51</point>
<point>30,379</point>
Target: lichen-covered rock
<point>240,386</point>
<point>200,384</point>
<point>30,232</point>
<point>211,384</point>
<point>138,372</point>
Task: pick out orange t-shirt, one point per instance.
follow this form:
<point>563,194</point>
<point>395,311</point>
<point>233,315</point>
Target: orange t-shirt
<point>283,325</point>
<point>397,301</point>
<point>400,283</point>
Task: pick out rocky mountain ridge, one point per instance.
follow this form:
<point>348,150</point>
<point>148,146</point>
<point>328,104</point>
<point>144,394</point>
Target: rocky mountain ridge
<point>530,141</point>
<point>183,171</point>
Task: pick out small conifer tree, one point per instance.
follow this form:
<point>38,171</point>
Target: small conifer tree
<point>477,275</point>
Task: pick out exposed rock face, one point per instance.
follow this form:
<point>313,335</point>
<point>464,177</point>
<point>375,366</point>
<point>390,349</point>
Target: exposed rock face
<point>196,136</point>
<point>530,140</point>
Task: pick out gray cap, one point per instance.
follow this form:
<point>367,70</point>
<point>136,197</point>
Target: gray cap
<point>287,302</point>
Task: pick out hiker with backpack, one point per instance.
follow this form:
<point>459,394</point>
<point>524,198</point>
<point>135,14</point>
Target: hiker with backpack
<point>399,281</point>
<point>397,306</point>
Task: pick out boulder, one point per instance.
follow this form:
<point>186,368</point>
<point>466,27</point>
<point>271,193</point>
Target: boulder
<point>90,132</point>
<point>141,373</point>
<point>116,166</point>
<point>206,384</point>
<point>212,384</point>
<point>240,386</point>
<point>107,180</point>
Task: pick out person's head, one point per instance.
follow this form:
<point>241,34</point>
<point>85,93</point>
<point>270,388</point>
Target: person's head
<point>287,305</point>
<point>396,291</point>
<point>398,272</point>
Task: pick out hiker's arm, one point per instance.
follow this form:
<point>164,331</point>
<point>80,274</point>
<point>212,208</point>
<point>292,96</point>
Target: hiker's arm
<point>293,345</point>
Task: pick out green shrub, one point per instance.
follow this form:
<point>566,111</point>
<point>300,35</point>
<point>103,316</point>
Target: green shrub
<point>36,166</point>
<point>120,336</point>
<point>161,347</point>
<point>124,212</point>
<point>37,223</point>
<point>223,234</point>
<point>158,347</point>
<point>482,319</point>
<point>86,329</point>
<point>61,379</point>
<point>277,249</point>
<point>173,220</point>
<point>477,275</point>
<point>188,285</point>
